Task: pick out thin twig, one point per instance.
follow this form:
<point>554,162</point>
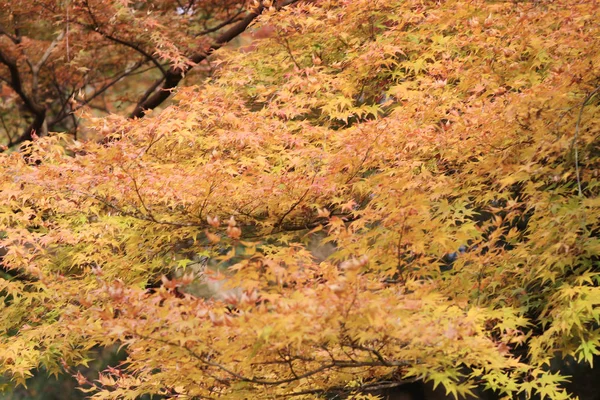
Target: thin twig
<point>231,20</point>
<point>278,224</point>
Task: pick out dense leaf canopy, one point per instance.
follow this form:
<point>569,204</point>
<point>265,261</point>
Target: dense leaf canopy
<point>386,190</point>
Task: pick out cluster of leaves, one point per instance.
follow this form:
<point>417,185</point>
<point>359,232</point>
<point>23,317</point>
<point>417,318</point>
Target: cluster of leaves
<point>449,151</point>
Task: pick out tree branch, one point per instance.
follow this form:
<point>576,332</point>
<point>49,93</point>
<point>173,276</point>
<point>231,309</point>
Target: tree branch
<point>14,39</point>
<point>97,93</point>
<point>221,25</point>
<point>96,27</point>
<point>38,111</point>
<point>17,85</point>
<point>35,68</point>
<point>134,47</point>
<point>174,75</point>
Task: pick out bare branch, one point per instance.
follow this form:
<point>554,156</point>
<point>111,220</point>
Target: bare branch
<point>8,133</point>
<point>223,24</point>
<point>48,51</point>
<point>38,111</point>
<point>104,88</point>
<point>14,39</point>
<point>136,48</point>
<point>17,85</point>
<point>35,68</point>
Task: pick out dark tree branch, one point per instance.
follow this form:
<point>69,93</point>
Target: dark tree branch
<point>64,95</point>
<point>97,28</point>
<point>14,39</point>
<point>149,92</point>
<point>189,6</point>
<point>345,390</point>
<point>38,111</point>
<point>152,98</point>
<point>175,75</point>
<point>221,25</point>
<point>134,47</point>
<point>104,88</point>
<point>8,133</point>
<point>17,85</point>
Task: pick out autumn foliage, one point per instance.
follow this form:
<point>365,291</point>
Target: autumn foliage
<point>58,58</point>
<point>445,153</point>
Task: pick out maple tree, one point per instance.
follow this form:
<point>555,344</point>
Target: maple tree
<point>446,153</point>
<point>58,57</point>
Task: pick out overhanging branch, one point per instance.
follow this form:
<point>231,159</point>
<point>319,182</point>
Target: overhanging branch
<point>174,75</point>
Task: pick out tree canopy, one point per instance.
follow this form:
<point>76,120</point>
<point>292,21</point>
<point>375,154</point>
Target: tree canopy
<point>444,155</point>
